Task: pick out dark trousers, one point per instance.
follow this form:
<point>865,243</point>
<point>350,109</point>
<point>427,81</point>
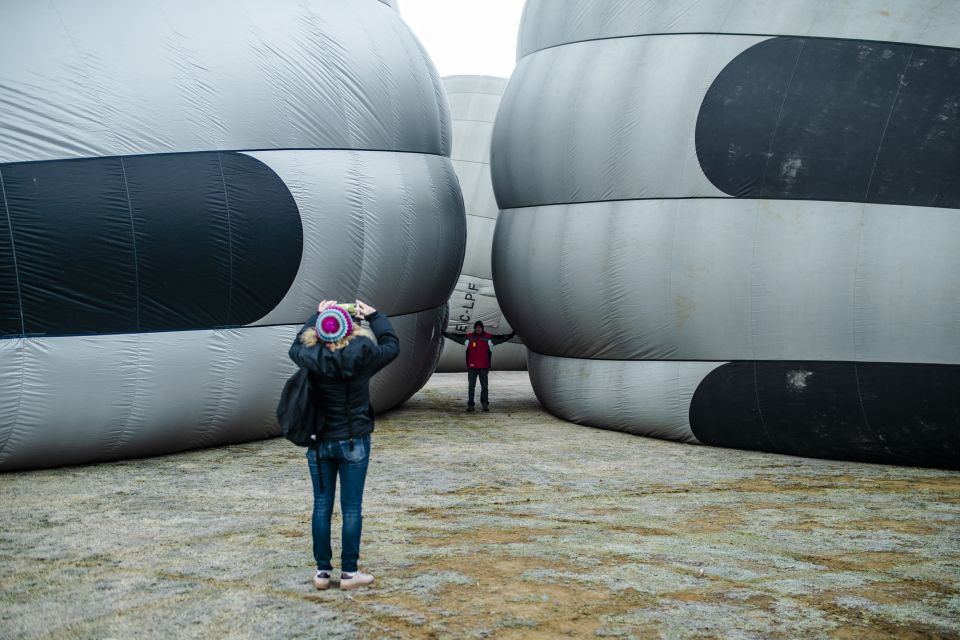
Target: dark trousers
<point>337,458</point>
<point>472,375</point>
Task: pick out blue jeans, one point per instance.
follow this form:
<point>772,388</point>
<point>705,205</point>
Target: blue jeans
<point>337,458</point>
<point>472,375</point>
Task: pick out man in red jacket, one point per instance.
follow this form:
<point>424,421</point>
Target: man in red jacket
<point>479,346</point>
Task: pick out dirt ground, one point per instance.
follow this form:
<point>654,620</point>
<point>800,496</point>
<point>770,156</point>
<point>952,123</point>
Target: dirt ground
<point>510,524</point>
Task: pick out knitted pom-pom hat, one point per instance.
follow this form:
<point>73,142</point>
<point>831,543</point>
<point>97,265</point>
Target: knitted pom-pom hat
<point>334,324</point>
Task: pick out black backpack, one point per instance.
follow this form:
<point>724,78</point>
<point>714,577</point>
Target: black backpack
<point>296,411</point>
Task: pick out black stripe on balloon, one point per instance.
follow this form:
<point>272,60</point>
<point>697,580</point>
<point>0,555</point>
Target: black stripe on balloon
<point>10,319</point>
<point>825,119</point>
<point>873,412</point>
<point>145,243</point>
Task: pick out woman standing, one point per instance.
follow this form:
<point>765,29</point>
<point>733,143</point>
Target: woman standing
<point>340,357</point>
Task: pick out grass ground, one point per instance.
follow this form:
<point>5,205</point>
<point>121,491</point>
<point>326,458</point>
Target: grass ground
<point>510,524</point>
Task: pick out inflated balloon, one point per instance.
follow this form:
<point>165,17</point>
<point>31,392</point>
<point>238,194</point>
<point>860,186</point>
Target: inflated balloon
<point>716,235</point>
<point>182,183</point>
<point>473,108</point>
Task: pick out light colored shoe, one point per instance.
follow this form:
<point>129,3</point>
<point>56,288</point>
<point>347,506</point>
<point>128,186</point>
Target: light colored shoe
<point>322,580</point>
<point>353,580</point>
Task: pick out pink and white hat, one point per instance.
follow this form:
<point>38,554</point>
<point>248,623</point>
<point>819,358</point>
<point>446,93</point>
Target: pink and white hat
<point>334,324</point>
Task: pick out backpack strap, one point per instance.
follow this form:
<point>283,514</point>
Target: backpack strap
<point>349,416</point>
<point>316,434</point>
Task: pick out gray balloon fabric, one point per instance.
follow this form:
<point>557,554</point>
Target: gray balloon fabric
<point>420,345</point>
<point>736,223</point>
<point>473,108</point>
<point>549,23</point>
<point>210,76</point>
<point>170,218</point>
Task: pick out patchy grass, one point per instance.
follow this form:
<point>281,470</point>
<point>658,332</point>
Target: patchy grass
<point>510,524</point>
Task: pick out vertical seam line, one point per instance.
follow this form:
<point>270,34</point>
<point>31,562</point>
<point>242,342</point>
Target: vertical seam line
<point>675,330</point>
<point>854,349</point>
<point>756,394</point>
<point>133,237</point>
<point>863,411</point>
<point>226,200</point>
<point>356,171</point>
<point>13,250</point>
<point>23,373</point>
<point>751,284</point>
<point>776,127</point>
<point>886,125</point>
<point>119,441</point>
<point>23,338</point>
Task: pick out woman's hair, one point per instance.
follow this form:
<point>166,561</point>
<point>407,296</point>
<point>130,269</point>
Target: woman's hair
<point>309,337</point>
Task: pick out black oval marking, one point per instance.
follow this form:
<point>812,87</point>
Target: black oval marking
<point>145,243</point>
<point>874,412</point>
<point>822,119</point>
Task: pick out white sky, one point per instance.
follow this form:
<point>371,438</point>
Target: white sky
<point>466,37</point>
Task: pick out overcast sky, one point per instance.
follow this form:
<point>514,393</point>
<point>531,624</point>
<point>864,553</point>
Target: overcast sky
<point>466,37</point>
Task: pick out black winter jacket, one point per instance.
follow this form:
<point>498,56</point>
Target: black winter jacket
<point>340,379</point>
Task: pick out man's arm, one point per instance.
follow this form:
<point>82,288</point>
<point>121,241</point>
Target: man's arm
<point>502,338</point>
<point>456,337</point>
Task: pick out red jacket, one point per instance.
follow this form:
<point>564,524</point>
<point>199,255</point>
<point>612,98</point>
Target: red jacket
<point>478,346</point>
<point>478,350</point>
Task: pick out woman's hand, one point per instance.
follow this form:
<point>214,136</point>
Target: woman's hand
<point>364,309</point>
<point>324,305</point>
